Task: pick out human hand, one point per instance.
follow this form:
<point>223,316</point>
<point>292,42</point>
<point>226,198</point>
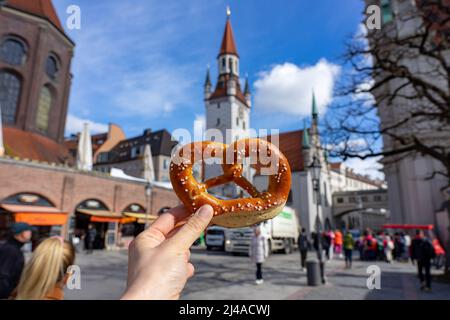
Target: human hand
<point>158,262</point>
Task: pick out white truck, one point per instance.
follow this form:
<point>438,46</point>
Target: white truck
<point>280,232</point>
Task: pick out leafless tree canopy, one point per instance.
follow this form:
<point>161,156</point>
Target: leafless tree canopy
<point>400,74</point>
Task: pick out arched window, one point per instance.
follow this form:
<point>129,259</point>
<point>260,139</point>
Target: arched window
<point>51,67</point>
<point>43,111</point>
<point>10,86</point>
<point>231,65</point>
<point>12,51</point>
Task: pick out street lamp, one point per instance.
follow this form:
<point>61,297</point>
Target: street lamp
<point>148,193</point>
<point>316,169</point>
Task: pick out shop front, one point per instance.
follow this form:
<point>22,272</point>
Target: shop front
<point>134,221</point>
<point>93,214</point>
<point>34,210</point>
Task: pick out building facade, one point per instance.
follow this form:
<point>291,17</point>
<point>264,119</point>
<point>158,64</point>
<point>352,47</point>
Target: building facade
<point>35,60</point>
<point>414,197</point>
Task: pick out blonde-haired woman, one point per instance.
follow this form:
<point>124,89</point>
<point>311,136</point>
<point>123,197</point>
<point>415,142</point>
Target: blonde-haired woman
<point>45,274</point>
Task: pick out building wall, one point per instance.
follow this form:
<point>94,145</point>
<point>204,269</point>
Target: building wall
<point>67,188</point>
<point>41,39</point>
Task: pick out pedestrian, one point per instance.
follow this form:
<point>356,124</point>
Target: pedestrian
<point>45,275</point>
<point>349,245</point>
<point>12,259</point>
<point>422,251</point>
<point>388,248</point>
<point>89,239</point>
<point>326,244</point>
<point>303,246</point>
<point>338,241</point>
<point>258,253</point>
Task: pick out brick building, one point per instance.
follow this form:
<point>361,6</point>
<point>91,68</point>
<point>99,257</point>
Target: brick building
<point>38,184</point>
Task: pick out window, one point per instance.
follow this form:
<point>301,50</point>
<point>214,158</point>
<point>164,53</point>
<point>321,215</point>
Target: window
<point>51,67</point>
<point>243,125</point>
<point>231,64</point>
<point>166,164</point>
<point>237,121</point>
<point>218,105</point>
<point>43,111</point>
<point>364,199</point>
<point>12,51</point>
<point>223,63</point>
<point>10,86</point>
<point>133,152</point>
<point>218,122</point>
<point>103,157</point>
<point>386,11</point>
<point>377,198</point>
<point>340,200</point>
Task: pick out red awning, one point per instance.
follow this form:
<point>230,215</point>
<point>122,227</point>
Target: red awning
<point>36,215</point>
<point>409,226</point>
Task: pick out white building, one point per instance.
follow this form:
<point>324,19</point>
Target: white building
<point>227,107</point>
<point>413,196</point>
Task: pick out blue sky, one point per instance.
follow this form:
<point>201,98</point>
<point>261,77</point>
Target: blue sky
<point>142,63</point>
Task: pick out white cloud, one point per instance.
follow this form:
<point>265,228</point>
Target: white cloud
<point>369,166</point>
<point>287,88</point>
<point>75,125</point>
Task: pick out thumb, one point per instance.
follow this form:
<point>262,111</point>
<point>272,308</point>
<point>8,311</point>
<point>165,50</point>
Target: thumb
<point>191,231</point>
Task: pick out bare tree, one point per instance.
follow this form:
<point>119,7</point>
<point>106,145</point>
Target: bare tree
<point>401,74</point>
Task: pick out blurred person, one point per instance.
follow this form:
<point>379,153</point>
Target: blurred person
<point>407,243</point>
<point>258,253</point>
<point>89,238</point>
<point>45,275</point>
<point>326,244</point>
<point>360,246</point>
<point>338,241</point>
<point>158,259</point>
<point>388,248</point>
<point>422,251</point>
<point>349,244</point>
<point>11,258</point>
<point>303,247</point>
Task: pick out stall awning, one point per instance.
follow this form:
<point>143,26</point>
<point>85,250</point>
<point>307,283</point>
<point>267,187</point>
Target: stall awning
<point>101,215</point>
<point>36,215</point>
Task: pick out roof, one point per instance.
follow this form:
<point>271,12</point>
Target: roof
<point>222,88</point>
<point>40,8</point>
<point>228,44</point>
<point>29,145</point>
<point>290,144</point>
<point>160,143</point>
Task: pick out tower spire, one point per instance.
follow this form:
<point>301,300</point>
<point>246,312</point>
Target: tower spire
<point>305,141</point>
<point>247,86</point>
<point>228,44</point>
<point>208,77</point>
<point>315,112</point>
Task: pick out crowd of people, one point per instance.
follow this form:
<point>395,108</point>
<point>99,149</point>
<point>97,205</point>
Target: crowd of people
<point>380,246</point>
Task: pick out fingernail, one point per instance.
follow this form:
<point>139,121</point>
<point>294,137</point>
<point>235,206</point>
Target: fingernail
<point>205,211</point>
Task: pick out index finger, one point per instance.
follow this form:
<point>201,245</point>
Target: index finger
<point>168,220</point>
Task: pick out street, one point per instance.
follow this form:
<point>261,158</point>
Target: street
<point>225,277</point>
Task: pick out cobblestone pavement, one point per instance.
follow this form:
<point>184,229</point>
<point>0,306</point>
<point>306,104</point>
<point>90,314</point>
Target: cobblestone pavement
<point>226,277</point>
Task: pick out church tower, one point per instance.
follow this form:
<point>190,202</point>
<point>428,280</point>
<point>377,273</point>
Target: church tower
<point>227,107</point>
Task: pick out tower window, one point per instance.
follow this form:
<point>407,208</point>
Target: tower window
<point>43,112</point>
<point>223,63</point>
<point>218,122</point>
<point>231,65</point>
<point>12,51</point>
<point>10,86</point>
<point>237,121</point>
<point>51,67</point>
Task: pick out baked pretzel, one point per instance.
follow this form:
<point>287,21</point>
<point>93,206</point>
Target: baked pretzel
<point>232,213</point>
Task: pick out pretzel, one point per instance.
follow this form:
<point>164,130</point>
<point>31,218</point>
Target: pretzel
<point>232,213</point>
